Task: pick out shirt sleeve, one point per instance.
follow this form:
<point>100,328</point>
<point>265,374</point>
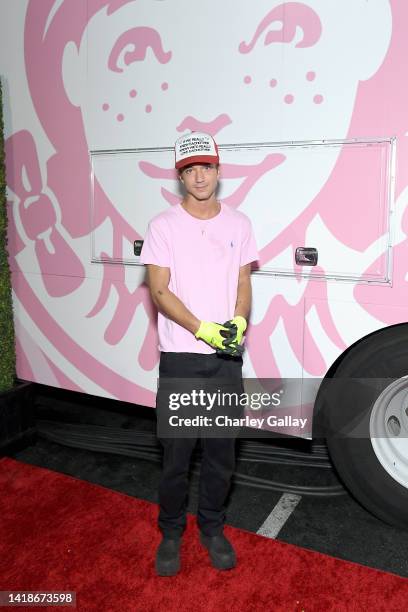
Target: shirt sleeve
<point>155,248</point>
<point>249,251</point>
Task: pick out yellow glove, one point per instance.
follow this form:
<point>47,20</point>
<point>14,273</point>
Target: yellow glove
<point>213,333</point>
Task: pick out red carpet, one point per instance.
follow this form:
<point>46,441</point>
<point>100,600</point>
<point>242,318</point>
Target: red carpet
<point>59,533</point>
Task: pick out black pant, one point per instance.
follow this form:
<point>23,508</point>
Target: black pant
<point>218,454</point>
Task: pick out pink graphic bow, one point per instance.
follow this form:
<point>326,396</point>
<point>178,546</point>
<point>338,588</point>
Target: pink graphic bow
<point>62,270</point>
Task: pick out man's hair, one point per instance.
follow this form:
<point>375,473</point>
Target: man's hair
<point>181,170</point>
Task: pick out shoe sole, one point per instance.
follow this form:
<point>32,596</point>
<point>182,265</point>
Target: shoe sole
<point>218,561</point>
<point>167,571</point>
<point>222,564</point>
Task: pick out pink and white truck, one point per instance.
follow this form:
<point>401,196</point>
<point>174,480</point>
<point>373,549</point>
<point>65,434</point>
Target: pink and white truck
<point>308,101</point>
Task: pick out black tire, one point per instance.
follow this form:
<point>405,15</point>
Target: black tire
<point>345,404</point>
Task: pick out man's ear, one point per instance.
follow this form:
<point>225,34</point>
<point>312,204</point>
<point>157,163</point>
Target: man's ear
<point>73,74</point>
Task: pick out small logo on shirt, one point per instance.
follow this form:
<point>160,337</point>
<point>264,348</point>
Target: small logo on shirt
<point>232,245</point>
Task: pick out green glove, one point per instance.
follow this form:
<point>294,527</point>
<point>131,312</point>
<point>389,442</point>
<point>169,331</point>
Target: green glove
<point>213,333</point>
<point>237,325</point>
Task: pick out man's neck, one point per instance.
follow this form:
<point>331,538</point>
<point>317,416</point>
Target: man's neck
<point>205,209</point>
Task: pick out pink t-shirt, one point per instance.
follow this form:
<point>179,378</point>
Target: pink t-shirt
<point>204,257</point>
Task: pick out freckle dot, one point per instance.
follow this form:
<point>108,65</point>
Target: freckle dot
<point>148,108</point>
<point>273,83</point>
<point>247,79</point>
<point>289,99</point>
<point>120,117</point>
<point>133,93</point>
<point>318,99</point>
<point>164,86</point>
<point>311,76</point>
<point>105,107</point>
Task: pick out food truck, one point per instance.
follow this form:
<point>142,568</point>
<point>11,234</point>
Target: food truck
<point>308,102</point>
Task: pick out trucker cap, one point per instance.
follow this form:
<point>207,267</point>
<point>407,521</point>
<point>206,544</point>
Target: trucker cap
<point>195,148</point>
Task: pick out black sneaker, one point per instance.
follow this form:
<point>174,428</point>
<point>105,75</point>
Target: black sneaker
<point>168,557</point>
<point>221,552</point>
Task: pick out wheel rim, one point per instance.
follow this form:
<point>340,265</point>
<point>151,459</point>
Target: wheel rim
<point>389,429</point>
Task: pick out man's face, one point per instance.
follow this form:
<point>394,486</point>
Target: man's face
<point>200,181</point>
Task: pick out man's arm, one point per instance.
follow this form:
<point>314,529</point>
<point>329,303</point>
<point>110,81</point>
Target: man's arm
<point>238,324</point>
<point>165,300</point>
<point>244,292</point>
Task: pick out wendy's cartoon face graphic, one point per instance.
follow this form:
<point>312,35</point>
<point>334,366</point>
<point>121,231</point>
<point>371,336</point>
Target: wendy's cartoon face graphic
<point>259,72</point>
<point>137,74</point>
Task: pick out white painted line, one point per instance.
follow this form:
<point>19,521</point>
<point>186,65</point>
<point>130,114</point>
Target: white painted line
<point>279,515</point>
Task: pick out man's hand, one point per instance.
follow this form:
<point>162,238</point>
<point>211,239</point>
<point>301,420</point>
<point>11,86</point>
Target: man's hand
<point>237,326</point>
<point>214,334</point>
<point>233,344</point>
<point>232,348</point>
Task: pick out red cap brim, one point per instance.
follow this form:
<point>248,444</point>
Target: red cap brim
<point>197,159</point>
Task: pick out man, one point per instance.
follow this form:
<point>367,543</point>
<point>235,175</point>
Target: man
<point>198,255</point>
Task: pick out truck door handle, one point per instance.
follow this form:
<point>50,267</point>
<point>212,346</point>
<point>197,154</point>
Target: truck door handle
<point>306,256</point>
<point>137,247</point>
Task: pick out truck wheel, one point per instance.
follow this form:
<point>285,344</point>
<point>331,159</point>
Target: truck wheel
<point>364,405</point>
